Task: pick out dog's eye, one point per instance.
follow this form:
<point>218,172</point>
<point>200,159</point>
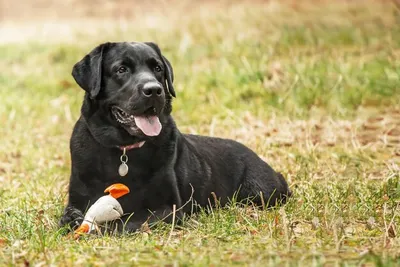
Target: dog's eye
<point>122,69</point>
<point>157,68</point>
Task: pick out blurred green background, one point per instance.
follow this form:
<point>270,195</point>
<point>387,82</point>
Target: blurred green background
<point>312,86</point>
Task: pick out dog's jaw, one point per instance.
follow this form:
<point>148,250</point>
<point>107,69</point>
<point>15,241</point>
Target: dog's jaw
<point>147,124</point>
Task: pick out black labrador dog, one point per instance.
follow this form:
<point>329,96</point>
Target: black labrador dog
<point>126,120</point>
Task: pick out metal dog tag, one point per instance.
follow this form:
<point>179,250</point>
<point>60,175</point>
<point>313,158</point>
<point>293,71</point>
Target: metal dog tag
<point>123,168</point>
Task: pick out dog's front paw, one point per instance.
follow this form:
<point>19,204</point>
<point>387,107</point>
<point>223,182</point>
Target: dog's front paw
<point>71,217</point>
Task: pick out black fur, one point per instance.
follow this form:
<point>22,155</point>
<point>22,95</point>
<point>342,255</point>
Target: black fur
<point>171,168</point>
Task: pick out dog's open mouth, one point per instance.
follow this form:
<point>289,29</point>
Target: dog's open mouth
<point>148,123</point>
<point>121,116</point>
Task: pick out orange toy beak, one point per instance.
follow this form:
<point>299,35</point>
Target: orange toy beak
<point>117,190</point>
<point>83,229</point>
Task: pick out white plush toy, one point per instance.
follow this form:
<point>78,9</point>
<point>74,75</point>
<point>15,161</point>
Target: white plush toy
<point>106,208</point>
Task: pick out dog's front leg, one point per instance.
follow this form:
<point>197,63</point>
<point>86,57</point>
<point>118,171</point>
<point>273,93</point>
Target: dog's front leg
<point>72,217</point>
<point>77,204</point>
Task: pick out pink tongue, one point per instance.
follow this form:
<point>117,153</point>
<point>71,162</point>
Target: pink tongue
<point>149,125</point>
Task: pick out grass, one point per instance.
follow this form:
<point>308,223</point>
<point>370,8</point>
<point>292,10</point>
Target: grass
<point>313,89</point>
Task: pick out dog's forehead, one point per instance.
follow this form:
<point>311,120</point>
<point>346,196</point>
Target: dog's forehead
<point>140,48</point>
<point>135,51</point>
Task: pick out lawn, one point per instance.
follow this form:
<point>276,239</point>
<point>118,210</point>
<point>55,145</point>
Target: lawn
<point>312,86</point>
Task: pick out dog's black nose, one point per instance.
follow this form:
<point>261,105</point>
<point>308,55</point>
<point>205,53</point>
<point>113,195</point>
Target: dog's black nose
<point>151,89</point>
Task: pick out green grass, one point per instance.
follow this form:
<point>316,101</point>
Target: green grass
<point>313,89</point>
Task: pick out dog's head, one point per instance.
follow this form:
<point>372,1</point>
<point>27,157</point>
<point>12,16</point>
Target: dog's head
<point>130,85</point>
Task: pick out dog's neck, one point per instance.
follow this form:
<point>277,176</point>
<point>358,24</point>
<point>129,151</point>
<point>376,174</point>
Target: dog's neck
<point>129,147</point>
<point>110,136</point>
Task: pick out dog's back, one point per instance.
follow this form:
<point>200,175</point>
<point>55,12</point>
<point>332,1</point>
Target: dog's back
<point>227,167</point>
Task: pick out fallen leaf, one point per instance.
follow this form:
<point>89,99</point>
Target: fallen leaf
<point>65,84</point>
<point>276,220</point>
<point>144,228</point>
<point>235,257</point>
<point>253,232</point>
<point>392,231</point>
<point>394,132</point>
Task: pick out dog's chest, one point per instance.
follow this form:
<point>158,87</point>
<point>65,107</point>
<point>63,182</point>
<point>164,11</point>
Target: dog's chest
<point>111,169</point>
<point>135,179</point>
<point>148,183</point>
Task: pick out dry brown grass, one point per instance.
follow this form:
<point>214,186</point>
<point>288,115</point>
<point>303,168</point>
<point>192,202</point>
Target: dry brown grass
<point>311,86</point>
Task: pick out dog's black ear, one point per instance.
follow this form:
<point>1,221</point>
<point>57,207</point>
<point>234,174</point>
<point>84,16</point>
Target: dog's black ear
<point>169,76</point>
<point>88,72</point>
<point>169,73</point>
